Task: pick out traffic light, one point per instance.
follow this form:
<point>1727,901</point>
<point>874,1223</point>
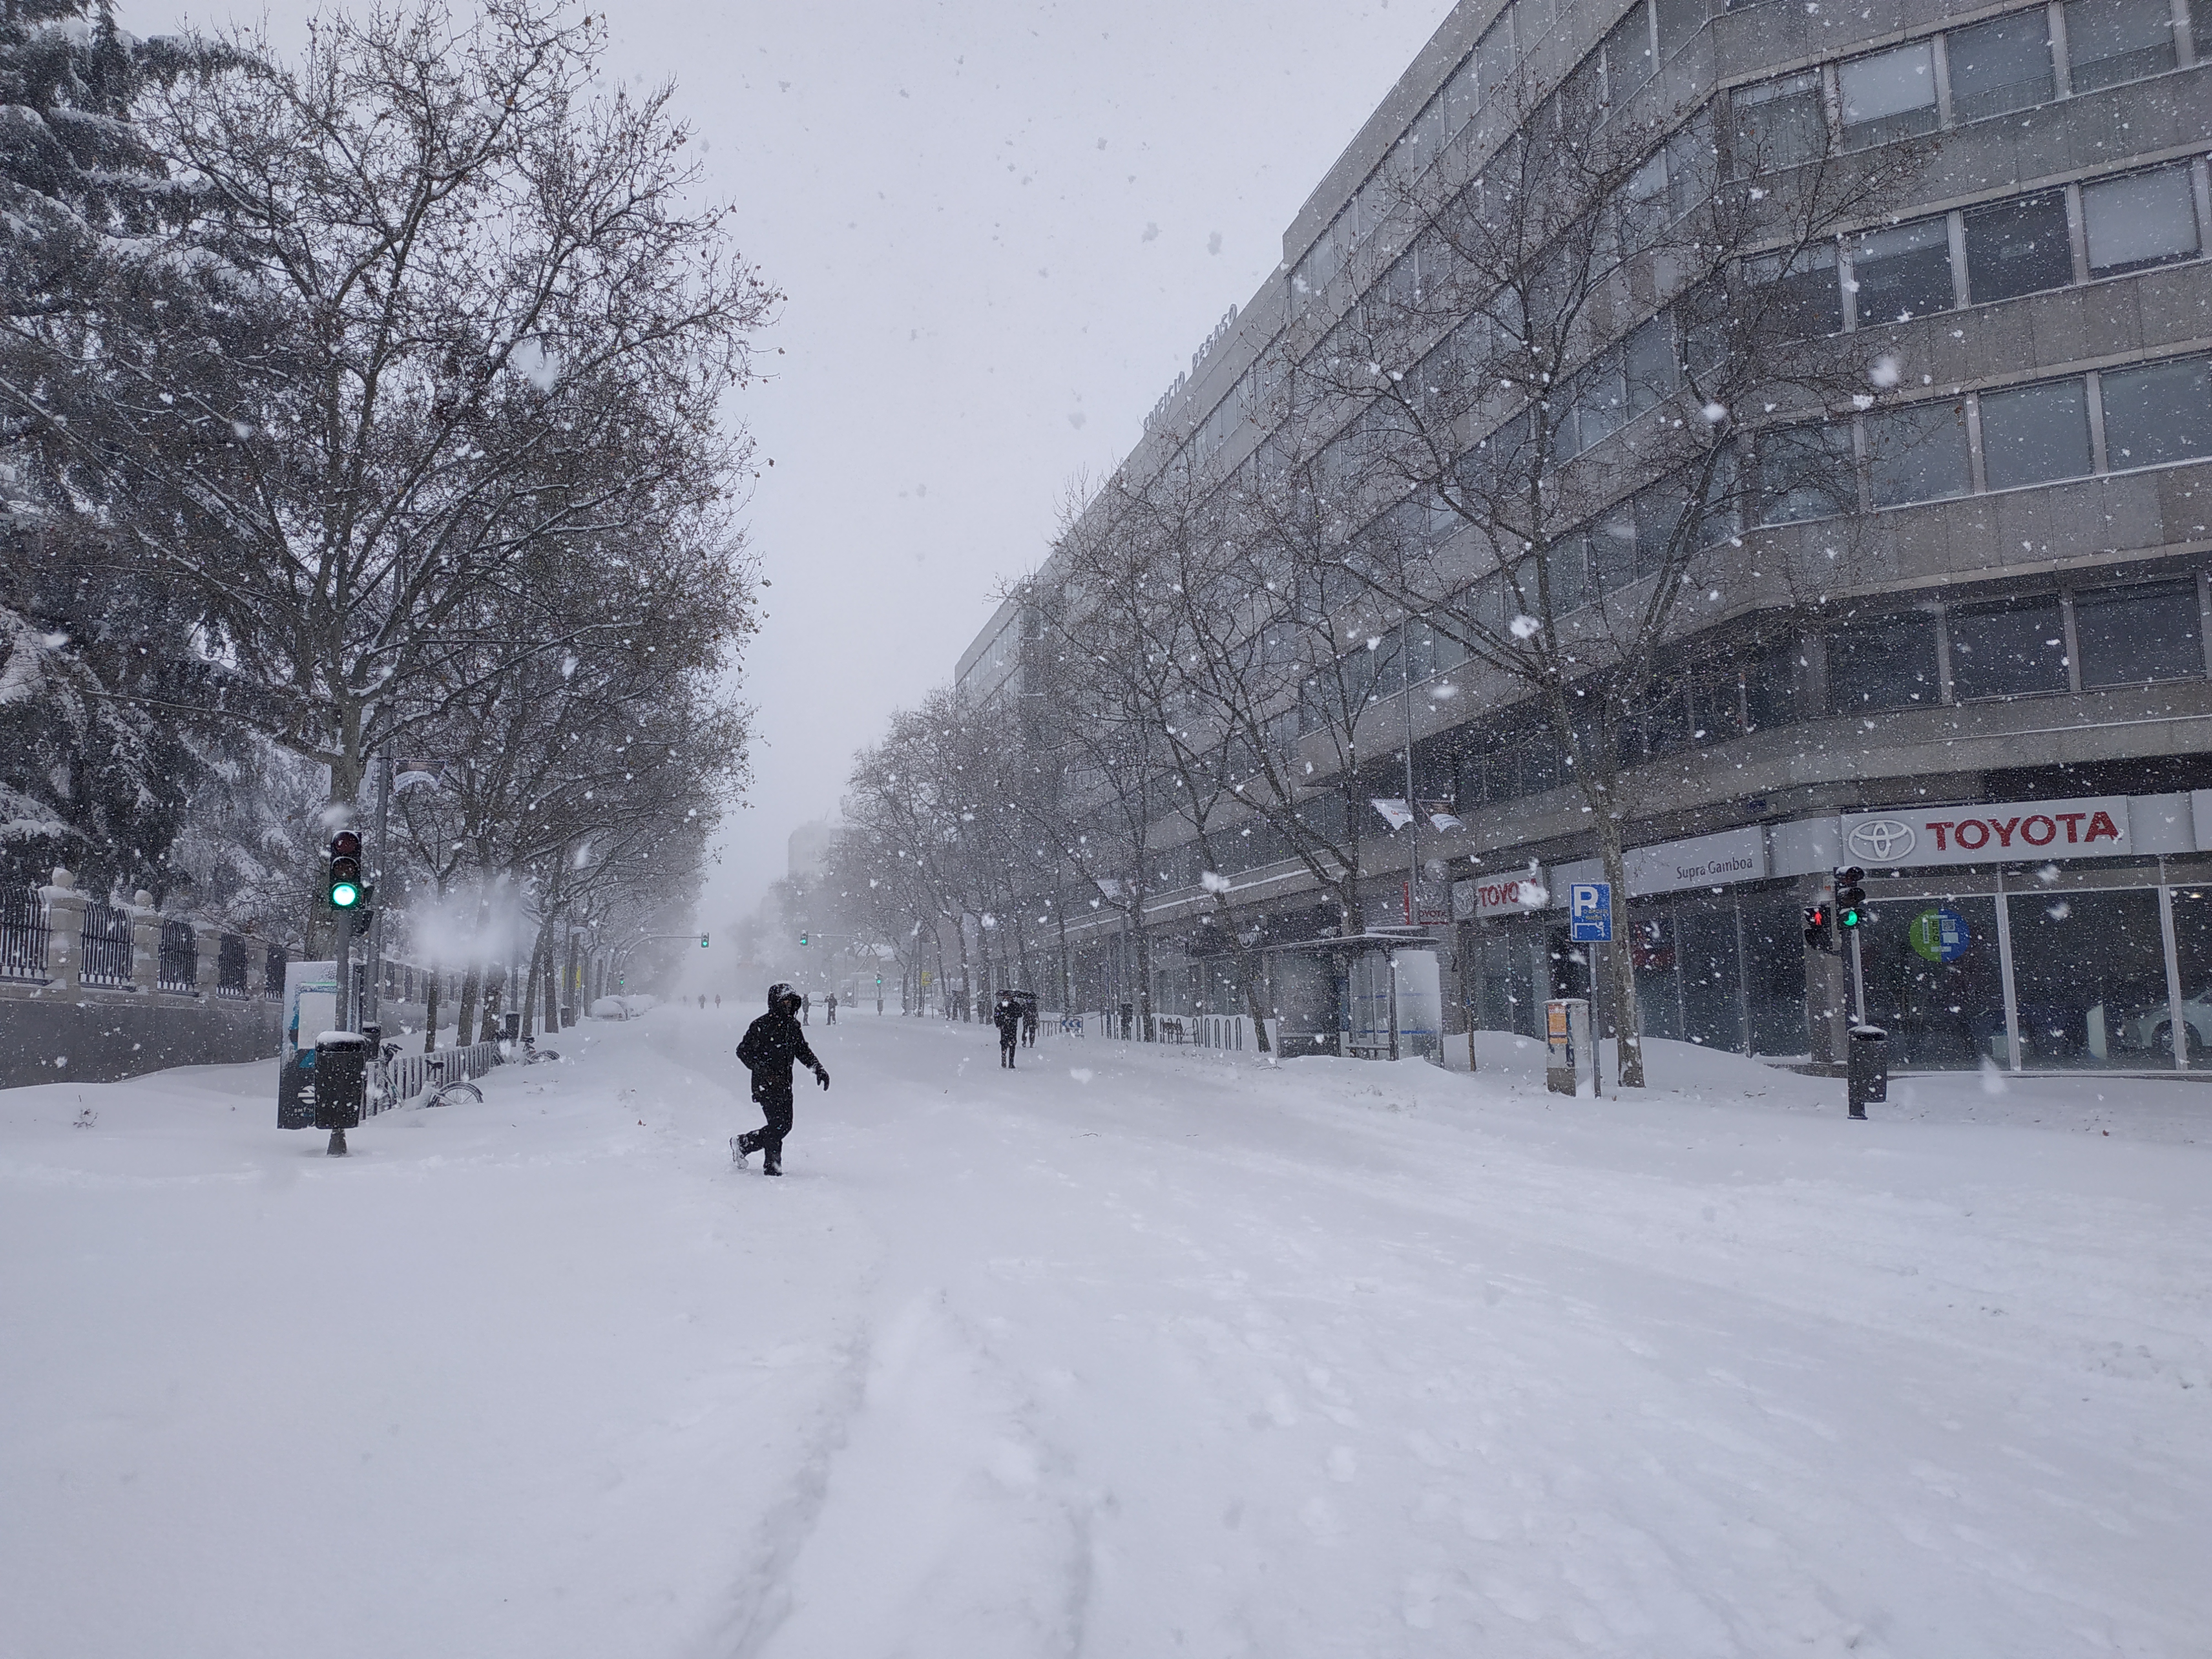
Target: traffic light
<point>1850,897</point>
<point>802,941</point>
<point>702,941</point>
<point>344,888</point>
<point>1820,926</point>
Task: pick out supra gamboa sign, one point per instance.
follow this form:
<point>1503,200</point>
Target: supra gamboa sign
<point>2093,826</point>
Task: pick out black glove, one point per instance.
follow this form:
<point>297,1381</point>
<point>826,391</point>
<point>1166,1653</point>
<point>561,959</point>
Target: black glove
<point>822,1075</point>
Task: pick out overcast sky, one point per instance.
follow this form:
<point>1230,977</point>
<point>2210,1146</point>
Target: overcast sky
<point>1003,227</point>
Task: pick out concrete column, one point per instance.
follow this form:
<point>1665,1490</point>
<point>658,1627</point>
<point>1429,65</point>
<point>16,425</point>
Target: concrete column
<point>207,940</point>
<point>65,933</point>
<point>145,942</point>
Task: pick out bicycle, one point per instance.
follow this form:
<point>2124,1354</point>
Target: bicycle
<point>450,1091</point>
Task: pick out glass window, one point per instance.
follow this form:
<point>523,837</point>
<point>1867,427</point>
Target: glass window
<point>1600,400</point>
<point>2002,64</point>
<point>1902,273</point>
<point>1678,20</point>
<point>1463,96</point>
<point>1805,472</point>
<point>1770,684</point>
<point>2192,951</point>
<point>1916,454</point>
<point>2088,974</point>
<point>1781,123</point>
<point>2133,635</point>
<point>2157,415</point>
<point>1659,513</point>
<point>1890,95</point>
<point>2008,649</point>
<point>1803,299</point>
<point>2200,28</point>
<point>1934,982</point>
<point>1649,356</point>
<point>2108,42</point>
<point>2145,219</point>
<point>1883,662</point>
<point>1494,55</point>
<point>1613,549</point>
<point>2018,248</point>
<point>2035,434</point>
<point>1628,55</point>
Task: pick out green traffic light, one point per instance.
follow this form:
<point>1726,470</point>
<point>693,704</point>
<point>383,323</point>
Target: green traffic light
<point>1850,918</point>
<point>344,895</point>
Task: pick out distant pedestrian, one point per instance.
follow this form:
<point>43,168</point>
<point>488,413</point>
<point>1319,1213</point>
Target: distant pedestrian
<point>832,1020</point>
<point>702,1000</point>
<point>718,999</point>
<point>1007,1015</point>
<point>771,1044</point>
<point>1029,1021</point>
<point>806,1008</point>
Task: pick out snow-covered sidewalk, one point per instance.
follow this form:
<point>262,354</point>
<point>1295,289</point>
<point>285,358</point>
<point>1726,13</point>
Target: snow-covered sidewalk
<point>1127,1352</point>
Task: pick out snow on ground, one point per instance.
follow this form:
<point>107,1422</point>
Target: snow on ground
<point>1128,1353</point>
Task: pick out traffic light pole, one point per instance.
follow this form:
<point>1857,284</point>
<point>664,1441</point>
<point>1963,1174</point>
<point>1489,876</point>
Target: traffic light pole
<point>372,997</point>
<point>1858,981</point>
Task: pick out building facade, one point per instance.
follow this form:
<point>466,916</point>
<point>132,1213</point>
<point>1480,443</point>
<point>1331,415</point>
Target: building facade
<point>2001,706</point>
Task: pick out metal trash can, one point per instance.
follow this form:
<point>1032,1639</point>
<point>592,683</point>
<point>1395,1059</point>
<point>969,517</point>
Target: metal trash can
<point>341,1079</point>
<point>1867,1075</point>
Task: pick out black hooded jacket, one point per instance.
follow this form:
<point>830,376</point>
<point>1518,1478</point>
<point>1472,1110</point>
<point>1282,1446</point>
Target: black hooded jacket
<point>772,1044</point>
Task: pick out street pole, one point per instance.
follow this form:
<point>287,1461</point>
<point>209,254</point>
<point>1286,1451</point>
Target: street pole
<point>372,987</point>
<point>1414,857</point>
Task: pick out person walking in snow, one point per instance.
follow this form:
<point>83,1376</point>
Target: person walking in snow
<point>832,1020</point>
<point>1007,1015</point>
<point>771,1044</point>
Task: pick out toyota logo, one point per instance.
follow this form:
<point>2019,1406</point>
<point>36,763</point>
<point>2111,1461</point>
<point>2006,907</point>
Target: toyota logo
<point>1881,841</point>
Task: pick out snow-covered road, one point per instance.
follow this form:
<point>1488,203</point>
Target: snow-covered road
<point>1129,1353</point>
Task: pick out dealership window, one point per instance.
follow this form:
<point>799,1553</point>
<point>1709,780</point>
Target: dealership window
<point>1882,662</point>
<point>2158,415</point>
<point>2018,248</point>
<point>2007,649</point>
<point>2108,42</point>
<point>1805,472</point>
<point>2142,219</point>
<point>1916,454</point>
<point>2192,951</point>
<point>1889,95</point>
<point>2088,973</point>
<point>2136,635</point>
<point>1934,983</point>
<point>2035,434</point>
<point>1902,273</point>
<point>1770,684</point>
<point>1782,121</point>
<point>2002,64</point>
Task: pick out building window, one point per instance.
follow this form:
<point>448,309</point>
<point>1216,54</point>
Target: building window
<point>1781,123</point>
<point>2002,64</point>
<point>2140,220</point>
<point>1883,662</point>
<point>1916,454</point>
<point>1801,296</point>
<point>2133,635</point>
<point>2158,415</point>
<point>1805,472</point>
<point>2008,649</point>
<point>1628,56</point>
<point>2018,248</point>
<point>1902,273</point>
<point>2035,434</point>
<point>1889,95</point>
<point>2108,42</point>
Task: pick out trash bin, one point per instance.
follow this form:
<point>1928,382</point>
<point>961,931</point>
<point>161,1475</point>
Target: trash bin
<point>1866,1076</point>
<point>341,1079</point>
<point>510,1026</point>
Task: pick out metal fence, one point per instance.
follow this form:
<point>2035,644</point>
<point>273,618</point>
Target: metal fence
<point>272,972</point>
<point>178,968</point>
<point>23,934</point>
<point>409,1075</point>
<point>230,969</point>
<point>105,955</point>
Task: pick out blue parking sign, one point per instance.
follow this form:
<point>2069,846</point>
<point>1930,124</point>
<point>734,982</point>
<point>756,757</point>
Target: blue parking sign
<point>1590,912</point>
